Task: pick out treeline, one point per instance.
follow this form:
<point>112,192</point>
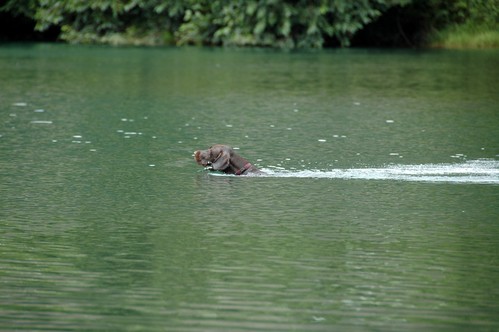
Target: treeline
<point>268,23</point>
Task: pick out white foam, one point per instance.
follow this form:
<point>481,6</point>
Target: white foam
<point>41,122</point>
<point>484,171</point>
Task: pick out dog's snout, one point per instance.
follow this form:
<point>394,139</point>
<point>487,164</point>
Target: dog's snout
<point>198,157</point>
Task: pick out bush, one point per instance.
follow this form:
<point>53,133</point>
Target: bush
<point>270,23</point>
<point>275,23</point>
<point>465,24</point>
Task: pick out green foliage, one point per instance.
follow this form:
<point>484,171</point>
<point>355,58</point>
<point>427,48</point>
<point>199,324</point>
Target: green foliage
<point>276,23</point>
<point>466,36</point>
<point>452,12</point>
<point>270,23</point>
<point>464,23</point>
<point>281,23</point>
<point>20,7</point>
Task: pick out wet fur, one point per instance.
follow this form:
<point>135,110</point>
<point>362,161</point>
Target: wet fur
<point>220,157</point>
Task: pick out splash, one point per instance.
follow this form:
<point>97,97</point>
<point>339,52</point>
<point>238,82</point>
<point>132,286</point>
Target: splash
<point>482,171</point>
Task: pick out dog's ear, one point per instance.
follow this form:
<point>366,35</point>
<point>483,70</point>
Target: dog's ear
<point>222,161</point>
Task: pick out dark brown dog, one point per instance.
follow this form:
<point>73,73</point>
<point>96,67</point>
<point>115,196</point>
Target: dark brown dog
<point>223,158</point>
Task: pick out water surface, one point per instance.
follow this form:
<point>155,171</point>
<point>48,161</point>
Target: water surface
<point>378,211</point>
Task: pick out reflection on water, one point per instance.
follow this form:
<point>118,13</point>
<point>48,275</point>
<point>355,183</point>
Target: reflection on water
<point>379,210</point>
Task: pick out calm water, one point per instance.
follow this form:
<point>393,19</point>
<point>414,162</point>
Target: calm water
<point>379,210</point>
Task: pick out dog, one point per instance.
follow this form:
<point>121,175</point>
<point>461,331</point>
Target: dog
<point>221,157</point>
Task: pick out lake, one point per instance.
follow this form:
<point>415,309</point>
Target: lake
<point>379,210</point>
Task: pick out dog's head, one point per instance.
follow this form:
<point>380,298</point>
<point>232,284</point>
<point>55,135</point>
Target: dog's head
<point>217,156</point>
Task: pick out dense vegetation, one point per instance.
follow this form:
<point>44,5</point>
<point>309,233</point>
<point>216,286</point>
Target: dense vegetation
<point>468,23</point>
<point>273,23</point>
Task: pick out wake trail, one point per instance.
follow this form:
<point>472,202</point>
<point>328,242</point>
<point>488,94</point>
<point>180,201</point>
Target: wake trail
<point>482,171</point>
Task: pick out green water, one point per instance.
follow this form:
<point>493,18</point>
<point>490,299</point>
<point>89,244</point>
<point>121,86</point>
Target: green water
<point>379,210</point>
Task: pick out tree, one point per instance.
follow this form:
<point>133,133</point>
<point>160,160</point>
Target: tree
<point>276,23</point>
